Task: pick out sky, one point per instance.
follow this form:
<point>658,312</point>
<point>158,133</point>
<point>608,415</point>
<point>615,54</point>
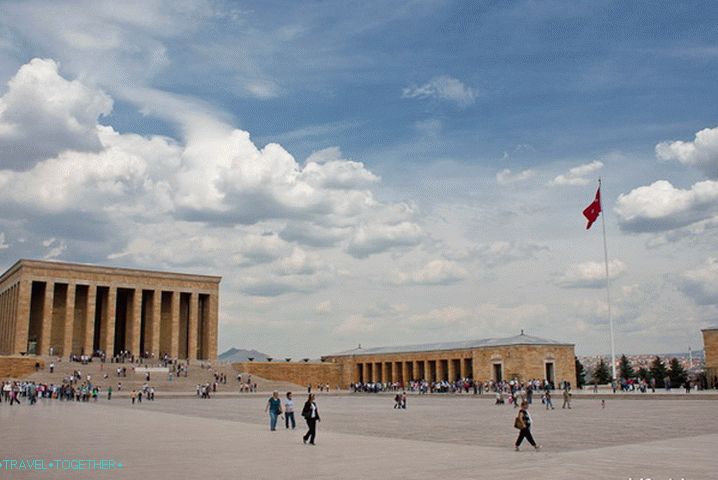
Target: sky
<point>376,173</point>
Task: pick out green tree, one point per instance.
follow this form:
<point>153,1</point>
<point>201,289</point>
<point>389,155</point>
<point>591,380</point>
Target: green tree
<point>659,371</point>
<point>625,368</point>
<point>580,373</point>
<point>678,374</point>
<point>601,374</point>
<point>644,374</point>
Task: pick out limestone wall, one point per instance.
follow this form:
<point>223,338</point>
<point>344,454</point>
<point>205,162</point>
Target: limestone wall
<point>298,373</point>
<point>710,345</point>
<point>18,367</point>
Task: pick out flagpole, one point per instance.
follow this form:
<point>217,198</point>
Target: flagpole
<point>608,285</point>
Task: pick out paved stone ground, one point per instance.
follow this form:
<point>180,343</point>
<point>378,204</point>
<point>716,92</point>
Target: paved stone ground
<point>361,436</point>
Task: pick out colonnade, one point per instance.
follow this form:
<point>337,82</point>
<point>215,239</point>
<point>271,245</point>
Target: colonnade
<point>63,318</point>
<point>402,371</point>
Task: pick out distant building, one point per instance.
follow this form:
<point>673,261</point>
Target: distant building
<point>67,308</point>
<point>521,357</point>
<point>710,342</point>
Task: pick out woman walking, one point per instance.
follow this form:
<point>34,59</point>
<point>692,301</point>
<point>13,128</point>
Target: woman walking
<point>311,415</point>
<point>274,406</point>
<point>523,423</point>
<point>289,411</point>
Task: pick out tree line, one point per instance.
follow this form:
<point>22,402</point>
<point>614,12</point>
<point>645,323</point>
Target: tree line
<point>658,371</point>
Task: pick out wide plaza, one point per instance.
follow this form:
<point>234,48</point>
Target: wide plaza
<point>362,436</point>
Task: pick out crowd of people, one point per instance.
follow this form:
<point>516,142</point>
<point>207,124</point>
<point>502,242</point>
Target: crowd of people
<point>247,385</point>
<point>464,385</point>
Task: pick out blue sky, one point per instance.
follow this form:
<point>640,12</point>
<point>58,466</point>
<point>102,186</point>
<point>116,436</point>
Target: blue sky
<point>375,172</point>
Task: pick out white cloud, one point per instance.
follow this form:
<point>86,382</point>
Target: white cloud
<point>55,248</point>
<point>355,325</point>
<point>701,283</point>
<point>443,87</point>
<point>500,252</point>
<point>577,175</point>
<point>591,274</point>
<point>435,272</point>
<point>3,245</point>
<point>507,177</point>
<point>324,308</point>
<point>42,115</point>
<point>702,152</point>
<point>661,206</point>
<point>371,238</point>
<point>440,318</point>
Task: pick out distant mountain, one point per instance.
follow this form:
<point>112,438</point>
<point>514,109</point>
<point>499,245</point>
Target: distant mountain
<point>240,355</point>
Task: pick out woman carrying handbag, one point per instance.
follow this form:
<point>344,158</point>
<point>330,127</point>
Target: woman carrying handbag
<point>523,424</point>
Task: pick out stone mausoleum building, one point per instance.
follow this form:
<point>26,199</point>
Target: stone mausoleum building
<point>521,357</point>
<point>68,308</point>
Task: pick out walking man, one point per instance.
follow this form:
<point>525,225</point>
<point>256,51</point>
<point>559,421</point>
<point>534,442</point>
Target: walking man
<point>566,399</point>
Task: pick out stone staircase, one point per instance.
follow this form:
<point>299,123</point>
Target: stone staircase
<point>160,381</point>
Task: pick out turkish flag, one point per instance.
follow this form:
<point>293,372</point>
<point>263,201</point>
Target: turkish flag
<point>591,212</point>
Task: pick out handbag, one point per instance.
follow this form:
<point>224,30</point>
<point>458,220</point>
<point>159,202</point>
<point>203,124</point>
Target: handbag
<point>519,422</point>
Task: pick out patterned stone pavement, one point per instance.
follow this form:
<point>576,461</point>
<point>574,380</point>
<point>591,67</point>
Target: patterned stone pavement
<point>363,437</point>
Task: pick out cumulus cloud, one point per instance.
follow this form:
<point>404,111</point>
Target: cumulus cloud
<point>702,152</point>
<point>443,87</point>
<point>42,114</point>
<point>214,196</point>
<point>590,274</point>
<point>507,177</point>
<point>435,272</point>
<point>661,206</point>
<point>577,175</point>
<point>701,283</point>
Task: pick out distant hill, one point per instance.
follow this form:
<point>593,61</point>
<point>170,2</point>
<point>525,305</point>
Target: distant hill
<point>240,355</point>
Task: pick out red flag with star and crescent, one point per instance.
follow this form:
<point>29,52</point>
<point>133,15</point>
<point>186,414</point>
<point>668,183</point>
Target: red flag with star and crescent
<point>592,211</point>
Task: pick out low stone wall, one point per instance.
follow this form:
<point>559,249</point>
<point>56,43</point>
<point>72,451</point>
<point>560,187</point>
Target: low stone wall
<point>298,373</point>
<point>18,367</point>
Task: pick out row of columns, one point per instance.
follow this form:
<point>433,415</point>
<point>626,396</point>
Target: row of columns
<point>66,316</point>
<point>403,371</point>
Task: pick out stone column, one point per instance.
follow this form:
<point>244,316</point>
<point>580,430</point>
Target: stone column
<point>134,323</point>
<point>88,344</point>
<point>107,342</point>
<point>4,320</point>
<point>156,322</point>
<point>405,373</point>
<point>174,334</point>
<point>192,327</point>
<point>22,316</point>
<point>69,320</point>
<point>452,371</point>
<point>43,346</point>
<point>462,368</point>
<point>440,373</point>
<point>212,326</point>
